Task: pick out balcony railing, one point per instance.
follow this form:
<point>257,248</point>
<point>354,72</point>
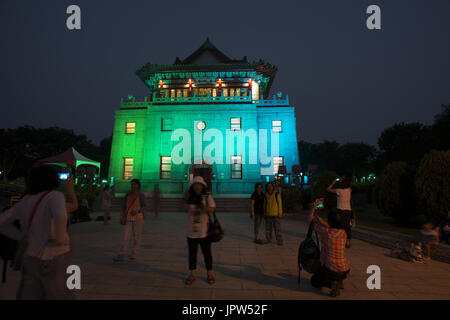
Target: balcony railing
<point>132,103</point>
<point>203,99</point>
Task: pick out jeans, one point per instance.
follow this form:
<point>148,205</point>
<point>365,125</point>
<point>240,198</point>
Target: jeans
<point>132,229</point>
<point>273,223</point>
<point>258,220</point>
<point>205,245</point>
<point>44,279</point>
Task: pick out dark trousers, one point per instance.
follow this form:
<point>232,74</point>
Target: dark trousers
<point>205,245</point>
<point>258,220</point>
<point>323,277</point>
<point>347,217</point>
<point>273,223</point>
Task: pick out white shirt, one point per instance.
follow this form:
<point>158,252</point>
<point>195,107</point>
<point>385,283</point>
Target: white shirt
<point>49,225</point>
<point>343,198</point>
<point>197,224</point>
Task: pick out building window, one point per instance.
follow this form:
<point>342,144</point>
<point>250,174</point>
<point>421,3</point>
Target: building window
<point>164,167</point>
<point>127,168</point>
<point>277,126</point>
<point>235,124</point>
<point>130,127</point>
<point>236,167</point>
<point>277,161</point>
<point>166,124</point>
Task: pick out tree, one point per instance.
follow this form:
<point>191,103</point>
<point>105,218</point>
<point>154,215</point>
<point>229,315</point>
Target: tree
<point>22,146</point>
<point>395,192</point>
<point>320,189</point>
<point>348,159</point>
<point>440,130</point>
<point>433,184</point>
<point>356,159</point>
<point>406,142</point>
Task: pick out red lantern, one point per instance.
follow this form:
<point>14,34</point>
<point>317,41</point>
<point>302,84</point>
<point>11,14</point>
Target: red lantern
<point>160,84</point>
<point>250,82</point>
<point>190,83</point>
<point>220,83</point>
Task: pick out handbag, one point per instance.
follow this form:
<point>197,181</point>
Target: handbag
<point>215,231</point>
<point>16,263</point>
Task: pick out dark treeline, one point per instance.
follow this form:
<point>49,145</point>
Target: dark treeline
<point>22,146</point>
<point>407,142</point>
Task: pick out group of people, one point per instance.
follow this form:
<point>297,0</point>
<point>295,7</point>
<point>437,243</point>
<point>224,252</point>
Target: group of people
<point>334,235</point>
<point>43,212</point>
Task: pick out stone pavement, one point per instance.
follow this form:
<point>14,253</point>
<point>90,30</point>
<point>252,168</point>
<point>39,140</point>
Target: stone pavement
<point>243,269</point>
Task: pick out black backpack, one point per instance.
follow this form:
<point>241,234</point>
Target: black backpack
<point>309,253</point>
<point>8,249</point>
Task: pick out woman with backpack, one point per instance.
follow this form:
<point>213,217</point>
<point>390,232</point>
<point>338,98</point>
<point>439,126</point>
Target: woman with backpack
<point>43,234</point>
<point>273,210</point>
<point>199,206</point>
<point>132,216</point>
<point>334,264</point>
<point>344,207</point>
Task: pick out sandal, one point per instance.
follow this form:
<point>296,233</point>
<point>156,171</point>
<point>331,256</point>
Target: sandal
<point>211,279</point>
<point>189,280</point>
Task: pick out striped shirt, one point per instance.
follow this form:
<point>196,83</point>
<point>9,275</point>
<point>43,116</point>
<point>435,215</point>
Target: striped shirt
<point>332,253</point>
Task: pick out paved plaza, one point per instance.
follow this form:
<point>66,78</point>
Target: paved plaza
<point>243,270</point>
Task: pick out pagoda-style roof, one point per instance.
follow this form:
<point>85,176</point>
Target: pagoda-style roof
<point>207,58</point>
<point>207,49</point>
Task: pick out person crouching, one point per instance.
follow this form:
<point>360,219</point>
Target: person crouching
<point>334,263</point>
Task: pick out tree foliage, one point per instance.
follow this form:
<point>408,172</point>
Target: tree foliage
<point>320,188</point>
<point>395,192</point>
<point>433,184</point>
<point>22,146</point>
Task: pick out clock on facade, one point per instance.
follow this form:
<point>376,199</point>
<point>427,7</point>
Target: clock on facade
<point>201,125</point>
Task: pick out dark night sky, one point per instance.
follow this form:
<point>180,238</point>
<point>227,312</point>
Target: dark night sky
<point>347,83</point>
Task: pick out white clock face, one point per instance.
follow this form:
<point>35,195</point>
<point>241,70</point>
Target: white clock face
<point>201,125</point>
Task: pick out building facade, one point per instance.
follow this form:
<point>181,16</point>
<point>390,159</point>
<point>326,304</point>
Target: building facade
<point>205,115</point>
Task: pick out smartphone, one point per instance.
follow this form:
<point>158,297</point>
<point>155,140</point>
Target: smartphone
<point>320,204</point>
<point>338,179</point>
<point>64,175</point>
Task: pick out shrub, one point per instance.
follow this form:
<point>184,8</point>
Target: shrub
<point>395,192</point>
<point>292,199</point>
<point>433,185</point>
<point>320,188</point>
<point>89,193</point>
<point>364,188</point>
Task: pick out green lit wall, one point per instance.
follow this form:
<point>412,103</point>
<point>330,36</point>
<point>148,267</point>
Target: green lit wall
<point>149,143</point>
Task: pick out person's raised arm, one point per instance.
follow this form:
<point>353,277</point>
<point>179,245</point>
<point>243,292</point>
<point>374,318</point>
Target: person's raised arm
<point>72,201</point>
<point>330,187</point>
